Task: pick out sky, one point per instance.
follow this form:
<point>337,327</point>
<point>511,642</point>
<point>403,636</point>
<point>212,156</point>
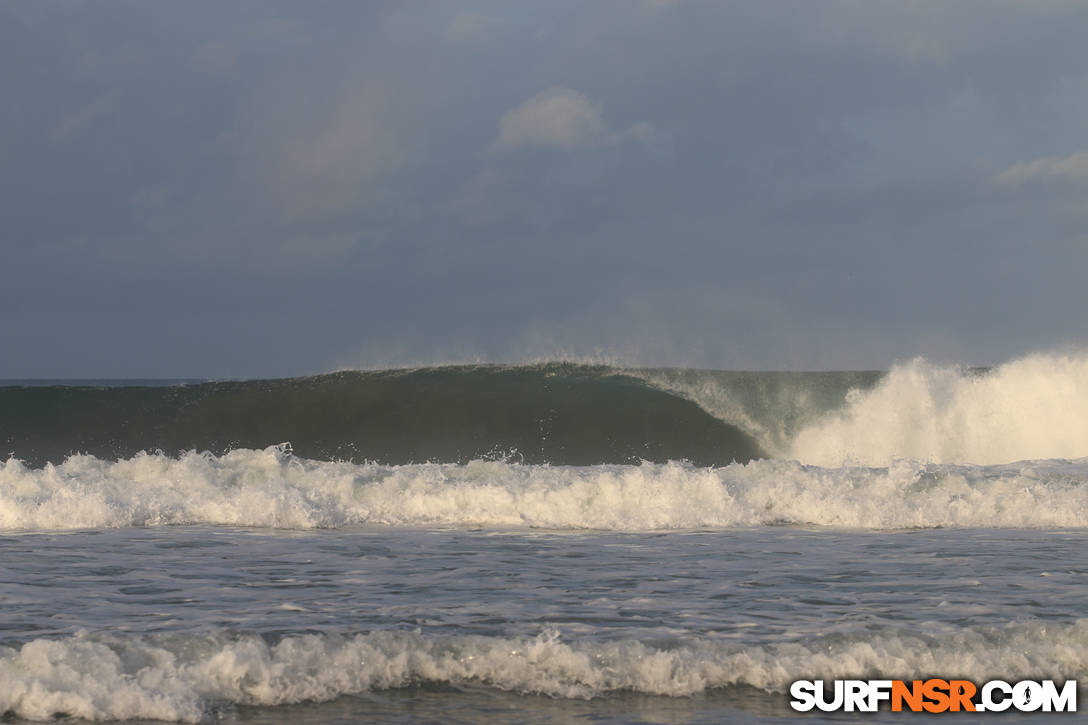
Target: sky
<point>263,188</point>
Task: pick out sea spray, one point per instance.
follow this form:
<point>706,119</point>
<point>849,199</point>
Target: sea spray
<point>1032,408</point>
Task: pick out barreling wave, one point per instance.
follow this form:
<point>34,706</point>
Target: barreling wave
<point>272,488</point>
<point>566,414</point>
<point>554,413</point>
<point>1031,408</point>
<point>187,677</point>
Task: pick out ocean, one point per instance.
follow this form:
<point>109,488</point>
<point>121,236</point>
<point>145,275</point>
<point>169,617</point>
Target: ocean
<point>545,543</point>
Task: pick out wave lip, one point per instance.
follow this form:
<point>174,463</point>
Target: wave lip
<point>272,488</point>
<point>185,677</point>
<point>554,413</point>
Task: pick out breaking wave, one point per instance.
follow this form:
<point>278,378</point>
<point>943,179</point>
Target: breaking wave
<point>273,488</point>
<point>186,677</point>
<point>566,414</point>
<point>1035,408</point>
<point>553,413</point>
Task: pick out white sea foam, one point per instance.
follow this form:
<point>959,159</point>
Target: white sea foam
<point>272,488</point>
<point>1032,408</point>
<point>185,677</point>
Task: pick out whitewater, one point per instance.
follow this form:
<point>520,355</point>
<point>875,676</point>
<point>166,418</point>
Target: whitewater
<point>273,489</point>
<point>536,543</point>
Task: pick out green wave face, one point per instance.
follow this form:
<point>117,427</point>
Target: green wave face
<point>772,407</point>
<point>557,413</point>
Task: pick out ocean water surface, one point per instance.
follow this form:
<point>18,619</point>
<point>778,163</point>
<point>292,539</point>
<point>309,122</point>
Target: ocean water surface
<point>545,543</point>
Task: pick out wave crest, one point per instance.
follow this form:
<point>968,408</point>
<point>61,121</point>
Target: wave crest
<point>184,677</point>
<point>272,488</point>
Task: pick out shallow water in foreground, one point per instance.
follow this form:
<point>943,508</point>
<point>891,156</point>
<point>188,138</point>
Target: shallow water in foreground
<point>402,624</point>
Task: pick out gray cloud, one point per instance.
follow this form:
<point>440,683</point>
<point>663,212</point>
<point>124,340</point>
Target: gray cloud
<point>258,188</point>
<point>475,28</point>
<point>555,118</point>
<point>561,118</point>
<point>1074,167</point>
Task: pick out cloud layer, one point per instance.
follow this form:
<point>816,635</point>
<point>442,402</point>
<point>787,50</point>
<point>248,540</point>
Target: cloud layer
<point>561,118</point>
<point>253,188</point>
<point>1074,166</point>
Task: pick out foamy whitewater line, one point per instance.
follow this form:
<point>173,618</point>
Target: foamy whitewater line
<point>1033,408</point>
<point>272,488</point>
<point>186,677</point>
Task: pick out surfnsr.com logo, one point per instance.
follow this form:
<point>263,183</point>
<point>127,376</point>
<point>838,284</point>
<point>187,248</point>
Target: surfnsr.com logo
<point>933,695</point>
